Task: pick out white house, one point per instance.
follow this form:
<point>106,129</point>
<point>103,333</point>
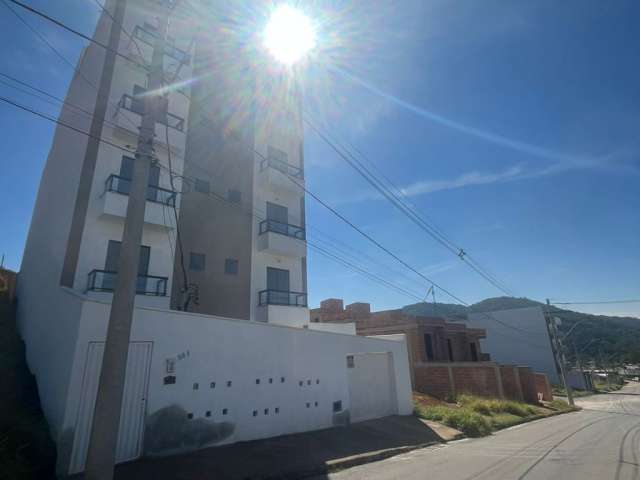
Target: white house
<point>517,336</point>
<point>242,363</point>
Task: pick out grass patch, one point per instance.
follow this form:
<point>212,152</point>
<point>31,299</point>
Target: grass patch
<point>470,423</point>
<point>477,416</point>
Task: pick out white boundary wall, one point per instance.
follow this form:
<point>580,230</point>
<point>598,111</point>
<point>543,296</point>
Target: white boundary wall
<point>209,349</point>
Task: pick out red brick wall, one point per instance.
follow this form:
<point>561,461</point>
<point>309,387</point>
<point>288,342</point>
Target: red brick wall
<point>432,381</point>
<point>8,280</point>
<point>478,380</point>
<point>543,386</point>
<point>528,384</point>
<point>474,379</point>
<point>510,382</point>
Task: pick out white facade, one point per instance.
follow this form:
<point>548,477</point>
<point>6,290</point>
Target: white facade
<point>517,337</point>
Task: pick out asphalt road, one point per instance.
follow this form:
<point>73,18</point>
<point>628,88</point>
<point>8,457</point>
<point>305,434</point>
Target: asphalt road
<point>600,442</point>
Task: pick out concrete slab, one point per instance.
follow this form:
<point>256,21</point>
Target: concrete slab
<point>290,456</point>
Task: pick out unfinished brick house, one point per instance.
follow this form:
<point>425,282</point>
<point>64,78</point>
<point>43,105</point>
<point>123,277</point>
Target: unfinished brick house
<point>445,357</point>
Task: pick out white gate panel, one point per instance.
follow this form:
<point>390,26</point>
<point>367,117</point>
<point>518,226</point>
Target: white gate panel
<point>133,404</point>
<point>371,386</point>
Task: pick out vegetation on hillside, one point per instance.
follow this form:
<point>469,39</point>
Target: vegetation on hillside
<point>599,338</point>
<point>26,449</point>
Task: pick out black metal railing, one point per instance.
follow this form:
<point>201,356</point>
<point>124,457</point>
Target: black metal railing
<point>282,228</point>
<point>136,105</point>
<point>172,51</point>
<point>282,166</point>
<point>118,184</point>
<point>105,281</point>
<point>282,297</point>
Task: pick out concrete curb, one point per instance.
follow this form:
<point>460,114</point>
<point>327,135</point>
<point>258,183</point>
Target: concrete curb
<point>344,463</point>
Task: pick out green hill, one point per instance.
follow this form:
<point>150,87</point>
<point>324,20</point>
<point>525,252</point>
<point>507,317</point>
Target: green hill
<point>598,337</point>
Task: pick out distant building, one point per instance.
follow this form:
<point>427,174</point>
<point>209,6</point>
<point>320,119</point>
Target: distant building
<point>517,336</point>
<point>430,339</point>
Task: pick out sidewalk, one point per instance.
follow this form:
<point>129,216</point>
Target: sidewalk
<point>289,456</point>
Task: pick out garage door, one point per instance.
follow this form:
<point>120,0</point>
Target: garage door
<point>371,386</point>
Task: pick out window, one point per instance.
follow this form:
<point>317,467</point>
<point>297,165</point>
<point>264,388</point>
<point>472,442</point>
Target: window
<point>202,186</point>
<point>277,158</point>
<point>428,346</point>
<point>197,261</point>
<point>234,196</point>
<point>337,406</point>
<point>126,174</point>
<point>111,265</point>
<point>276,154</point>
<point>137,103</point>
<point>231,266</point>
<point>350,361</point>
<point>277,212</point>
<point>474,352</point>
<point>450,349</point>
<point>277,279</point>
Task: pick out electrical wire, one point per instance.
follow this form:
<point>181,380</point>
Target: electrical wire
<point>602,302</point>
<point>291,178</point>
<point>404,206</point>
<point>76,32</point>
<point>77,70</point>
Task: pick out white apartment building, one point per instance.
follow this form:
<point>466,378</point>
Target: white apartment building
<point>242,362</point>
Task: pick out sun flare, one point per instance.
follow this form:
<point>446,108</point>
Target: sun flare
<point>289,35</point>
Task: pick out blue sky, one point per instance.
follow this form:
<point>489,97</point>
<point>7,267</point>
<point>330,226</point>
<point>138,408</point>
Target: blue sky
<point>513,125</point>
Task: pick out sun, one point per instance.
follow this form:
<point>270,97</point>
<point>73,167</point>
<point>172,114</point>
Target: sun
<point>289,35</point>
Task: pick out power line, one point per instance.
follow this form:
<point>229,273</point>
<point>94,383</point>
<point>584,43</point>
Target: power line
<point>314,196</point>
<point>602,302</point>
<point>404,207</point>
<point>77,70</point>
<point>66,125</point>
<point>76,32</point>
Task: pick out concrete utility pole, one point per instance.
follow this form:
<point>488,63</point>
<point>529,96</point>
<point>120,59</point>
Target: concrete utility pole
<point>106,418</point>
<point>558,351</point>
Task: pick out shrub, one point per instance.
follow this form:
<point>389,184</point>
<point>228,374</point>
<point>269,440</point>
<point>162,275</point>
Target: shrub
<point>470,423</point>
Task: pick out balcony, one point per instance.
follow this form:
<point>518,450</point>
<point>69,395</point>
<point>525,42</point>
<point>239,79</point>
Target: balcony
<point>277,309</point>
<point>280,238</point>
<point>282,297</point>
<point>105,281</point>
<point>116,191</point>
<point>136,105</point>
<point>148,37</point>
<point>277,175</point>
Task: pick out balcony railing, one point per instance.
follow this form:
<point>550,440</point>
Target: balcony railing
<point>282,228</point>
<point>105,281</point>
<point>172,51</point>
<point>282,297</point>
<point>136,105</point>
<point>118,184</point>
<point>284,167</point>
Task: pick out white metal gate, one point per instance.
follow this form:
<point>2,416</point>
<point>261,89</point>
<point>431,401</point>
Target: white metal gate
<point>371,386</point>
<point>133,404</point>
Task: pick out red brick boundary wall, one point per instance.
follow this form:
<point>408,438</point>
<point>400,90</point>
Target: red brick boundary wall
<point>487,379</point>
<point>543,387</point>
<point>443,380</point>
<point>528,384</point>
<point>511,382</point>
<point>8,280</point>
